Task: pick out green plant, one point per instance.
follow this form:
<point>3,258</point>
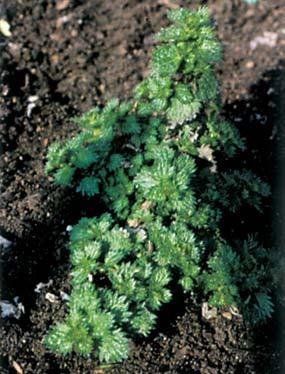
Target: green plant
<point>240,278</point>
<point>152,162</point>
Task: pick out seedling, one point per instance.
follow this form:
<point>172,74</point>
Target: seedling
<point>152,162</point>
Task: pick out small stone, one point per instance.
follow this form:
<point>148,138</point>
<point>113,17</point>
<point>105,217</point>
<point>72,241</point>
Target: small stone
<point>51,297</point>
<point>17,367</point>
<point>5,28</point>
<point>249,64</point>
<point>7,309</point>
<point>63,4</point>
<point>227,315</point>
<point>54,59</point>
<point>234,310</point>
<point>30,108</point>
<point>122,49</point>
<point>15,50</point>
<point>54,36</point>
<point>45,142</point>
<point>209,313</point>
<point>62,20</point>
<point>5,243</point>
<point>64,296</point>
<point>42,285</point>
<point>268,39</point>
<point>33,98</point>
<point>11,310</point>
<point>101,88</point>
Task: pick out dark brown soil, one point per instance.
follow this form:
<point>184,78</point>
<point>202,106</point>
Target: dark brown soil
<point>73,55</point>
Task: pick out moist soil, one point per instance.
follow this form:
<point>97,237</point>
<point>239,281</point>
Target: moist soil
<point>63,58</point>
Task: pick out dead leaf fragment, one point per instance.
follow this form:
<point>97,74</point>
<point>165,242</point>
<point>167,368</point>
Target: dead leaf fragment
<point>133,222</point>
<point>51,297</point>
<point>268,39</point>
<point>234,310</point>
<point>207,312</point>
<point>42,285</point>
<point>5,28</point>
<point>146,205</point>
<point>227,315</point>
<point>17,367</point>
<point>5,243</point>
<point>206,152</point>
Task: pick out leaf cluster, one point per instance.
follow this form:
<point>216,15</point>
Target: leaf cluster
<point>241,278</point>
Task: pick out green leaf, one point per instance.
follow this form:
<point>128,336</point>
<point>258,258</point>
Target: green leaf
<point>88,186</point>
<point>55,157</point>
<point>64,175</point>
<point>178,113</point>
<point>143,322</point>
<point>114,347</point>
<point>166,60</point>
<point>83,158</point>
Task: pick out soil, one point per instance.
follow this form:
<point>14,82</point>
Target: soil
<point>63,58</point>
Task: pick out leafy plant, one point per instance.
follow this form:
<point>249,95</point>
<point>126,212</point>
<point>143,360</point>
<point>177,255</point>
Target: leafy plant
<point>152,162</point>
<point>241,278</point>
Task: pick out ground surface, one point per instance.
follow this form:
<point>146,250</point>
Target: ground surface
<point>65,57</point>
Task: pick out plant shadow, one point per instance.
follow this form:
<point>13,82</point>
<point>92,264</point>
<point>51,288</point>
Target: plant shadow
<point>260,119</point>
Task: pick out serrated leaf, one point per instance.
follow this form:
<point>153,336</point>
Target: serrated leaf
<point>64,175</point>
<point>166,60</point>
<point>88,186</point>
<point>178,113</point>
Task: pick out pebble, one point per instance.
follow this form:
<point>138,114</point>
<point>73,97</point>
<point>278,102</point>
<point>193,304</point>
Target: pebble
<point>15,50</point>
<point>51,297</point>
<point>5,243</point>
<point>30,108</point>
<point>268,39</point>
<point>33,98</point>
<point>17,367</point>
<point>12,310</point>
<point>41,285</point>
<point>54,59</point>
<point>64,296</point>
<point>45,142</point>
<point>5,28</point>
<point>63,4</point>
<point>249,64</point>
